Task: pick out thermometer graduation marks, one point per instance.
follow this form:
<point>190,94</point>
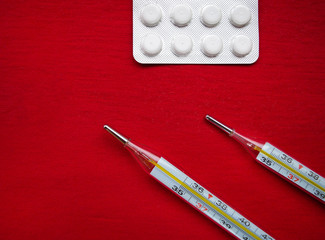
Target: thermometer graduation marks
<point>193,193</point>
<point>280,162</point>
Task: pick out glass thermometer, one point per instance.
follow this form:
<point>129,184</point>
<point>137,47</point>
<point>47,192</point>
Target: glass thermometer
<point>192,192</point>
<point>280,163</point>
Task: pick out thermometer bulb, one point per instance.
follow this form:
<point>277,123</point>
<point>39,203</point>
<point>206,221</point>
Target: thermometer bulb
<point>192,192</point>
<point>280,163</point>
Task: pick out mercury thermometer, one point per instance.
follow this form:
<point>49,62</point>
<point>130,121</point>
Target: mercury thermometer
<point>280,163</point>
<point>192,192</point>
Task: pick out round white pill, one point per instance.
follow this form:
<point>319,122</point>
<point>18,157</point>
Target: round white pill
<point>151,45</point>
<point>211,15</point>
<point>211,45</point>
<point>241,45</point>
<point>240,15</point>
<point>181,15</point>
<point>151,15</point>
<point>182,45</point>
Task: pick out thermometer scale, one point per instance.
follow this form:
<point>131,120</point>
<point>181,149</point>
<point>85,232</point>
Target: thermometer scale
<point>193,193</point>
<point>280,163</point>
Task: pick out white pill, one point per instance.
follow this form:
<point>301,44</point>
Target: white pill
<point>151,15</point>
<point>181,15</point>
<point>241,45</point>
<point>240,15</point>
<point>151,45</point>
<point>211,45</point>
<point>182,45</point>
<point>211,15</point>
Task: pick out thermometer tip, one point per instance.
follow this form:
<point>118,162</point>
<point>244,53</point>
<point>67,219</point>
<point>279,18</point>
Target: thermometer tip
<point>117,135</point>
<point>207,117</point>
<point>219,124</point>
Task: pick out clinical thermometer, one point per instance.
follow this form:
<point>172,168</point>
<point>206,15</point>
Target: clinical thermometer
<point>279,162</point>
<point>192,192</point>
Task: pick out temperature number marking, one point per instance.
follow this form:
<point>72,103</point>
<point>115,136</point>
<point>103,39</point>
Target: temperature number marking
<point>285,157</point>
<point>313,175</point>
<point>198,188</point>
<point>222,205</point>
<point>178,190</point>
<point>245,222</point>
<point>267,237</point>
<point>319,194</point>
<point>293,178</point>
<point>267,161</point>
<point>200,206</point>
<point>224,223</point>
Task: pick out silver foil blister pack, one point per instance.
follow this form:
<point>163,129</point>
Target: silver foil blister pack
<point>195,31</point>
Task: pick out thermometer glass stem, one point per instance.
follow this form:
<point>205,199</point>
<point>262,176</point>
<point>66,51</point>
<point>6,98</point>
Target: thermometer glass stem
<point>280,163</point>
<point>193,193</point>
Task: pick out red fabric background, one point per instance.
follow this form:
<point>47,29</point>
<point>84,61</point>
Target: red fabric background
<point>66,68</point>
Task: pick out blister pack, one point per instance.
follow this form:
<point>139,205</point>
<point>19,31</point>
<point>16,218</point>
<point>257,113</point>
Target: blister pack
<point>195,31</point>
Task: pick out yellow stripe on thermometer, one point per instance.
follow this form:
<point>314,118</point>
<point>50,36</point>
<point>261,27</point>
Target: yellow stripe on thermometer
<point>193,193</point>
<point>280,163</point>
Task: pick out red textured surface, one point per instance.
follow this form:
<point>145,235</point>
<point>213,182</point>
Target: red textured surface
<point>66,68</point>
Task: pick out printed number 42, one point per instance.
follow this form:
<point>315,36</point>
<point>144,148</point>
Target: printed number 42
<point>293,178</point>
